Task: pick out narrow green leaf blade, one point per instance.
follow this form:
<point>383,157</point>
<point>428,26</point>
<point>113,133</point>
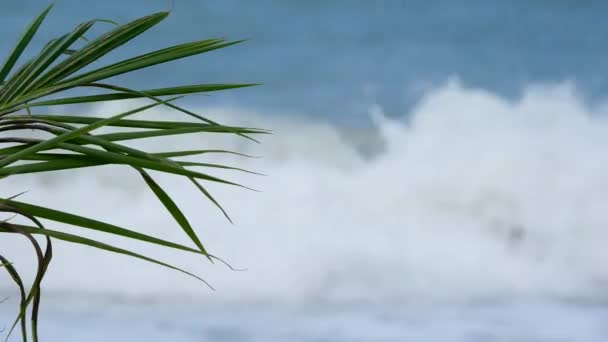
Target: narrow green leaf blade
<point>96,244</point>
<point>170,205</point>
<point>69,135</point>
<point>97,48</point>
<point>88,223</point>
<point>147,60</point>
<point>181,90</point>
<point>24,41</point>
<point>17,279</point>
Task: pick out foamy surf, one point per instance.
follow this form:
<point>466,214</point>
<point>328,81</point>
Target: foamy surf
<point>470,196</point>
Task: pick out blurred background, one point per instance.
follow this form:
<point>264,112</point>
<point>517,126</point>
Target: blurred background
<point>436,173</point>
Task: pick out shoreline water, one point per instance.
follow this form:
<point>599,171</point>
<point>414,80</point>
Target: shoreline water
<point>538,321</point>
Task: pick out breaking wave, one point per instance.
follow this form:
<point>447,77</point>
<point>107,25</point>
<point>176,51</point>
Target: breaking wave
<point>468,196</point>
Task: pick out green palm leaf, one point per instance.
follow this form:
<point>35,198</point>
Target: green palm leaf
<point>71,141</point>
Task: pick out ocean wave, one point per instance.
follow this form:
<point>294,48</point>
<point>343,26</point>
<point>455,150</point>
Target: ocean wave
<point>467,196</point>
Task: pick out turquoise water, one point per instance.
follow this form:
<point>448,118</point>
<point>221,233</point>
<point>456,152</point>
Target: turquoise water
<point>436,174</point>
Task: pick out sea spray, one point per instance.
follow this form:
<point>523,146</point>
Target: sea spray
<point>469,196</point>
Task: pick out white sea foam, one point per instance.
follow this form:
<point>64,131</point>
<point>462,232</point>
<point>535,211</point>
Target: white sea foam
<point>473,196</point>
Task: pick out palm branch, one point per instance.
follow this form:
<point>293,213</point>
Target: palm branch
<point>68,63</point>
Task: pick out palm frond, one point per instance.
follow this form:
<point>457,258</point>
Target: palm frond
<point>72,142</point>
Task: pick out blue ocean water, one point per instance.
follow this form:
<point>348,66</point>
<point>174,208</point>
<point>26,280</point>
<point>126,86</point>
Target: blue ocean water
<point>332,59</point>
<point>478,215</point>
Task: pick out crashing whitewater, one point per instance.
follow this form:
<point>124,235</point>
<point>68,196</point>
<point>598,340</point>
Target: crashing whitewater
<point>468,196</point>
